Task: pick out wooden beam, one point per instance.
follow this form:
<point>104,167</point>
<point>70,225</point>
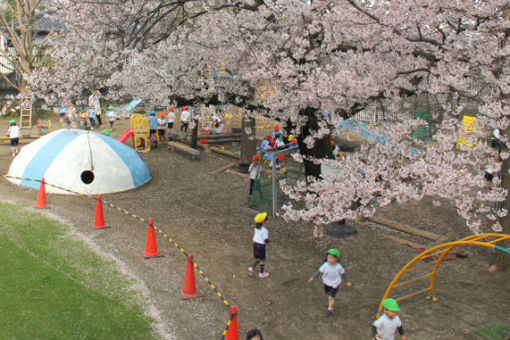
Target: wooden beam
<point>223,140</point>
<point>404,241</point>
<point>233,172</point>
<point>225,153</point>
<point>405,228</point>
<point>223,168</point>
<point>220,136</point>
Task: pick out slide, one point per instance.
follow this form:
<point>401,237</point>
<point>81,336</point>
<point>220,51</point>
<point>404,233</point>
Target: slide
<point>131,105</point>
<point>361,129</point>
<point>128,133</point>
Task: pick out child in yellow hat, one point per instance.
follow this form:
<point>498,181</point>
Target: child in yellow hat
<point>260,239</point>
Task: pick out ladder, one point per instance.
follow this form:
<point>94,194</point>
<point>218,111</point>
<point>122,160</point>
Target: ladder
<point>25,118</point>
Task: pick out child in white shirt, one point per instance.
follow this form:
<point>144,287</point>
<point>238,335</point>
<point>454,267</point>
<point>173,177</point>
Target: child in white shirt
<point>185,117</point>
<point>161,126</point>
<point>170,118</point>
<point>110,115</point>
<point>13,133</point>
<point>387,325</point>
<point>260,239</point>
<point>254,171</point>
<point>332,273</point>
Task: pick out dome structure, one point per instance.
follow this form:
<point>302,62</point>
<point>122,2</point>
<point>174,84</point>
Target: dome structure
<point>82,161</point>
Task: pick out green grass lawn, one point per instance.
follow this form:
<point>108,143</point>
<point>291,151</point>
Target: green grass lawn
<point>53,286</point>
<point>496,331</point>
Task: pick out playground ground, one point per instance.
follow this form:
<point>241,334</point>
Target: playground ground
<point>208,215</point>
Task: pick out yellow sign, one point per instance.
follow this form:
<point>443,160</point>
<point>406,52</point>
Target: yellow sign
<point>469,126</point>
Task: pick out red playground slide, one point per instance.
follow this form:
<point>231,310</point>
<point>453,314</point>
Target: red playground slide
<point>128,133</point>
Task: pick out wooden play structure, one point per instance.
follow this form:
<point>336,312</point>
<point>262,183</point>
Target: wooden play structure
<point>141,136</point>
<point>43,126</point>
<point>416,271</point>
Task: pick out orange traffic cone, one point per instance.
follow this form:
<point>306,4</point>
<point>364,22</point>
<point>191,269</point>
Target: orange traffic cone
<point>189,289</point>
<point>41,196</point>
<point>151,248</point>
<point>99,217</point>
<point>233,330</point>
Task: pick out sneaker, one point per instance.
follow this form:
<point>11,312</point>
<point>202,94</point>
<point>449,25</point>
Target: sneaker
<point>329,313</point>
<point>250,271</point>
<point>263,275</point>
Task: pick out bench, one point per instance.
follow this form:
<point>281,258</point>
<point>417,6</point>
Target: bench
<point>184,148</point>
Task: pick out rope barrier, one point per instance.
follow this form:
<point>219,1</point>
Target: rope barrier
<point>229,322</point>
<point>160,232</point>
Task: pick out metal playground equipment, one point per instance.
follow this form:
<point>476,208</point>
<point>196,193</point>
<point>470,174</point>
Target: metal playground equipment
<point>434,256</point>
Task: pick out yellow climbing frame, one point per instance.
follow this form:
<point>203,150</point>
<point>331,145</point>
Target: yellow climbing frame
<point>141,136</point>
<point>435,255</point>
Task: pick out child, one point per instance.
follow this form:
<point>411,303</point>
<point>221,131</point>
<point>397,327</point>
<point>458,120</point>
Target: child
<point>260,239</point>
<point>110,115</point>
<point>279,142</point>
<point>265,147</point>
<point>71,116</point>
<point>387,325</point>
<point>170,118</point>
<point>161,126</point>
<point>335,149</point>
<point>254,171</point>
<point>153,125</point>
<point>185,117</point>
<point>83,120</point>
<point>92,118</point>
<point>13,133</point>
<point>332,273</point>
<point>265,143</point>
<point>254,334</point>
<point>216,124</point>
<point>277,132</point>
<point>95,104</point>
<point>63,112</point>
<point>269,152</point>
<point>280,160</point>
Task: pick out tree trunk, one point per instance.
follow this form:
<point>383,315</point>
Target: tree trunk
<point>321,148</point>
<point>194,131</point>
<point>502,260</point>
<point>248,141</point>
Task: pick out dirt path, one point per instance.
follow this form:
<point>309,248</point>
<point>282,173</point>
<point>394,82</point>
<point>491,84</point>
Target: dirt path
<point>208,215</point>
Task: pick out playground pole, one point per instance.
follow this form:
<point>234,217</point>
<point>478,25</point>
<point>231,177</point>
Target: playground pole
<point>274,183</point>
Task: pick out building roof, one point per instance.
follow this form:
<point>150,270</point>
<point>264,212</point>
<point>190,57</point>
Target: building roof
<point>45,21</point>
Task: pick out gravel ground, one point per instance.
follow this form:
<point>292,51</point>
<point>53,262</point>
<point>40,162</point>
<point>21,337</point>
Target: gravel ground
<point>208,215</point>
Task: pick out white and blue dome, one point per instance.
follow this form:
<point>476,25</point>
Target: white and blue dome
<point>82,161</point>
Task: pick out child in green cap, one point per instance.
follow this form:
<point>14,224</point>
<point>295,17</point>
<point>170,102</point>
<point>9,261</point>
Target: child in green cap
<point>13,134</point>
<point>111,116</point>
<point>332,274</point>
<point>387,325</point>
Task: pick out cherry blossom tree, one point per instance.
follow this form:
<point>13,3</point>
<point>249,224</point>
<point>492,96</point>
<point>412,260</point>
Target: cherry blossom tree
<point>18,26</point>
<point>327,61</point>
